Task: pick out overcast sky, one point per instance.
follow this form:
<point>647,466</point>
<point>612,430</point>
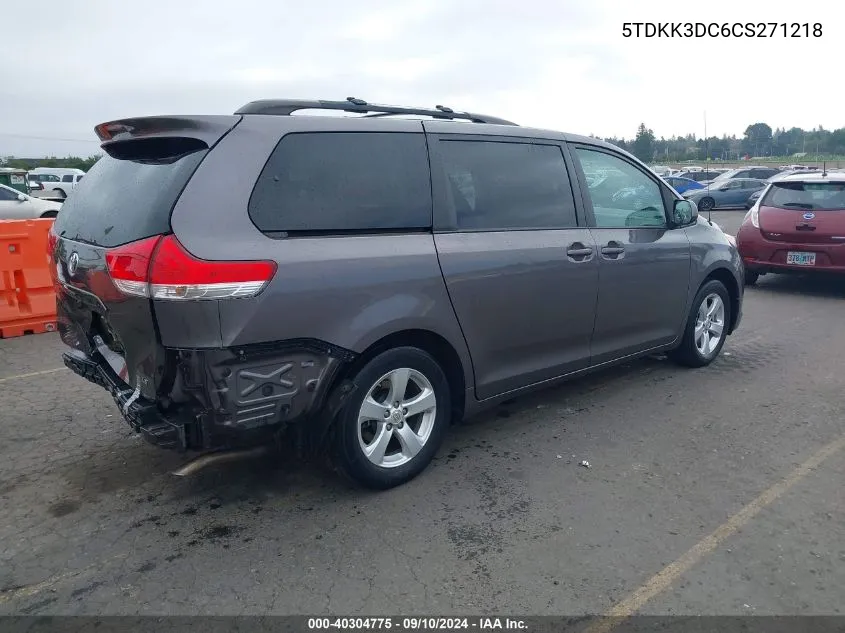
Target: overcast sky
<point>560,64</point>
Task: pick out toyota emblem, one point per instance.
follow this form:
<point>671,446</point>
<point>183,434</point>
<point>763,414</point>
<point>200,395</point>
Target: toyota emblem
<point>72,264</point>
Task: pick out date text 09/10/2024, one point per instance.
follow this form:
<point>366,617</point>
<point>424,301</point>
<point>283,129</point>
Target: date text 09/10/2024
<point>723,29</point>
<point>417,624</point>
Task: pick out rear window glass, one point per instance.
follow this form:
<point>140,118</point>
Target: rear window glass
<point>121,201</point>
<point>818,196</point>
<point>344,181</point>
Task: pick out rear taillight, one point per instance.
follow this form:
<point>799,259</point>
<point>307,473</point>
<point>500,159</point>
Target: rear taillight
<point>161,268</point>
<point>755,216</point>
<point>52,239</point>
<point>129,266</point>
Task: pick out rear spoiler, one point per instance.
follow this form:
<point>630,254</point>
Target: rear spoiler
<point>197,131</point>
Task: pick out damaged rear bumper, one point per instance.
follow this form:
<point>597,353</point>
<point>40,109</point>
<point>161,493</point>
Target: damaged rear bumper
<point>225,398</point>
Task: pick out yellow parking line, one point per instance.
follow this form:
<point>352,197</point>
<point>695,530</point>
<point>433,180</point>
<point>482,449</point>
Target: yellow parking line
<point>31,374</point>
<point>669,574</point>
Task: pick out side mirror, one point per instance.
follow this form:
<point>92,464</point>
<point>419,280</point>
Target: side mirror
<point>21,197</point>
<point>725,188</point>
<point>684,212</point>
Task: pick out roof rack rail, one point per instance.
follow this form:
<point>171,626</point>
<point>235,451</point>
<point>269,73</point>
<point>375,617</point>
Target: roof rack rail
<point>289,106</point>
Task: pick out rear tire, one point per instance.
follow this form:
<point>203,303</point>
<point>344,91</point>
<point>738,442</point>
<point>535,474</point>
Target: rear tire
<point>50,214</point>
<point>706,204</point>
<point>710,314</point>
<point>379,444</point>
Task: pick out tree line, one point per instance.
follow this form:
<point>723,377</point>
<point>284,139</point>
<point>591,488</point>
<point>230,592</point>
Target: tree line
<point>70,162</point>
<point>759,140</point>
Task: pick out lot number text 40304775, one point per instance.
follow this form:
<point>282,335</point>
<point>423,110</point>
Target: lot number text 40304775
<point>722,29</point>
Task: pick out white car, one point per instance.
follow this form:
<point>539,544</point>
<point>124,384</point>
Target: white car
<point>15,205</point>
<point>59,180</point>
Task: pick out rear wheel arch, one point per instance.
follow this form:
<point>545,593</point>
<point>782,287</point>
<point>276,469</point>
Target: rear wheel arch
<point>727,278</point>
<point>50,214</point>
<point>434,344</point>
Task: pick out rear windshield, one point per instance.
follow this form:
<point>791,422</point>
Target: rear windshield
<point>122,201</point>
<point>328,182</point>
<point>818,196</point>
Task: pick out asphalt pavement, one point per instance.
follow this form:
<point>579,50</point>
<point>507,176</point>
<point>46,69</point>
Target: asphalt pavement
<point>712,491</point>
<point>729,219</point>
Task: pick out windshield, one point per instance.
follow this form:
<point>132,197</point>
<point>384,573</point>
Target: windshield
<point>818,196</point>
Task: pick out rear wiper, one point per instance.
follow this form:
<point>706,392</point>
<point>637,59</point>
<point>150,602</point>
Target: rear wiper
<point>800,205</point>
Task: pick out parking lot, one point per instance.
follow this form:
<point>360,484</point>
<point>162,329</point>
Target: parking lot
<point>713,491</point>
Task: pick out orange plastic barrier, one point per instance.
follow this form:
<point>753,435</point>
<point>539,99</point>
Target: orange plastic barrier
<point>27,297</point>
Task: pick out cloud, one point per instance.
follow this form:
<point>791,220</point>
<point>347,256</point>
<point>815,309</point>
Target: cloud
<point>560,65</point>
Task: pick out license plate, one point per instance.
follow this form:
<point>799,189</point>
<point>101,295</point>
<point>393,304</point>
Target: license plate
<point>801,259</point>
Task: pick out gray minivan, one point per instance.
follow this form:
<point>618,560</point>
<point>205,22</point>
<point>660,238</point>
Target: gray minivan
<point>362,281</point>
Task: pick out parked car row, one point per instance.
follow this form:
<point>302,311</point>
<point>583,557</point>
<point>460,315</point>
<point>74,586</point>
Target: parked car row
<point>732,188</point>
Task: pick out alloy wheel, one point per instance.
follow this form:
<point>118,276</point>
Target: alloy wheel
<point>709,324</point>
<point>396,417</point>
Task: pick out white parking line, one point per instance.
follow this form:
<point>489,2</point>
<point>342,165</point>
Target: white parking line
<point>31,374</point>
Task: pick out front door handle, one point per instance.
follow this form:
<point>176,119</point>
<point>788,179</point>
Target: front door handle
<point>613,250</point>
<point>579,253</point>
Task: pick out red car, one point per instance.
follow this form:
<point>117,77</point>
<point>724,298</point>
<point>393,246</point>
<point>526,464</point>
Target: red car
<point>798,224</point>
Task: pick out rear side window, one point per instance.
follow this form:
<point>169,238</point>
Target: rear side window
<point>123,200</point>
<point>498,186</point>
<point>815,196</point>
<point>67,178</point>
<point>326,182</point>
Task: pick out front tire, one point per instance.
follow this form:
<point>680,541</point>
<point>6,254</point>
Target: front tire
<point>706,328</point>
<point>390,430</point>
<point>706,204</point>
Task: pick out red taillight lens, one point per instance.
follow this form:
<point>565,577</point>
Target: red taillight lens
<point>161,268</point>
<point>129,266</point>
